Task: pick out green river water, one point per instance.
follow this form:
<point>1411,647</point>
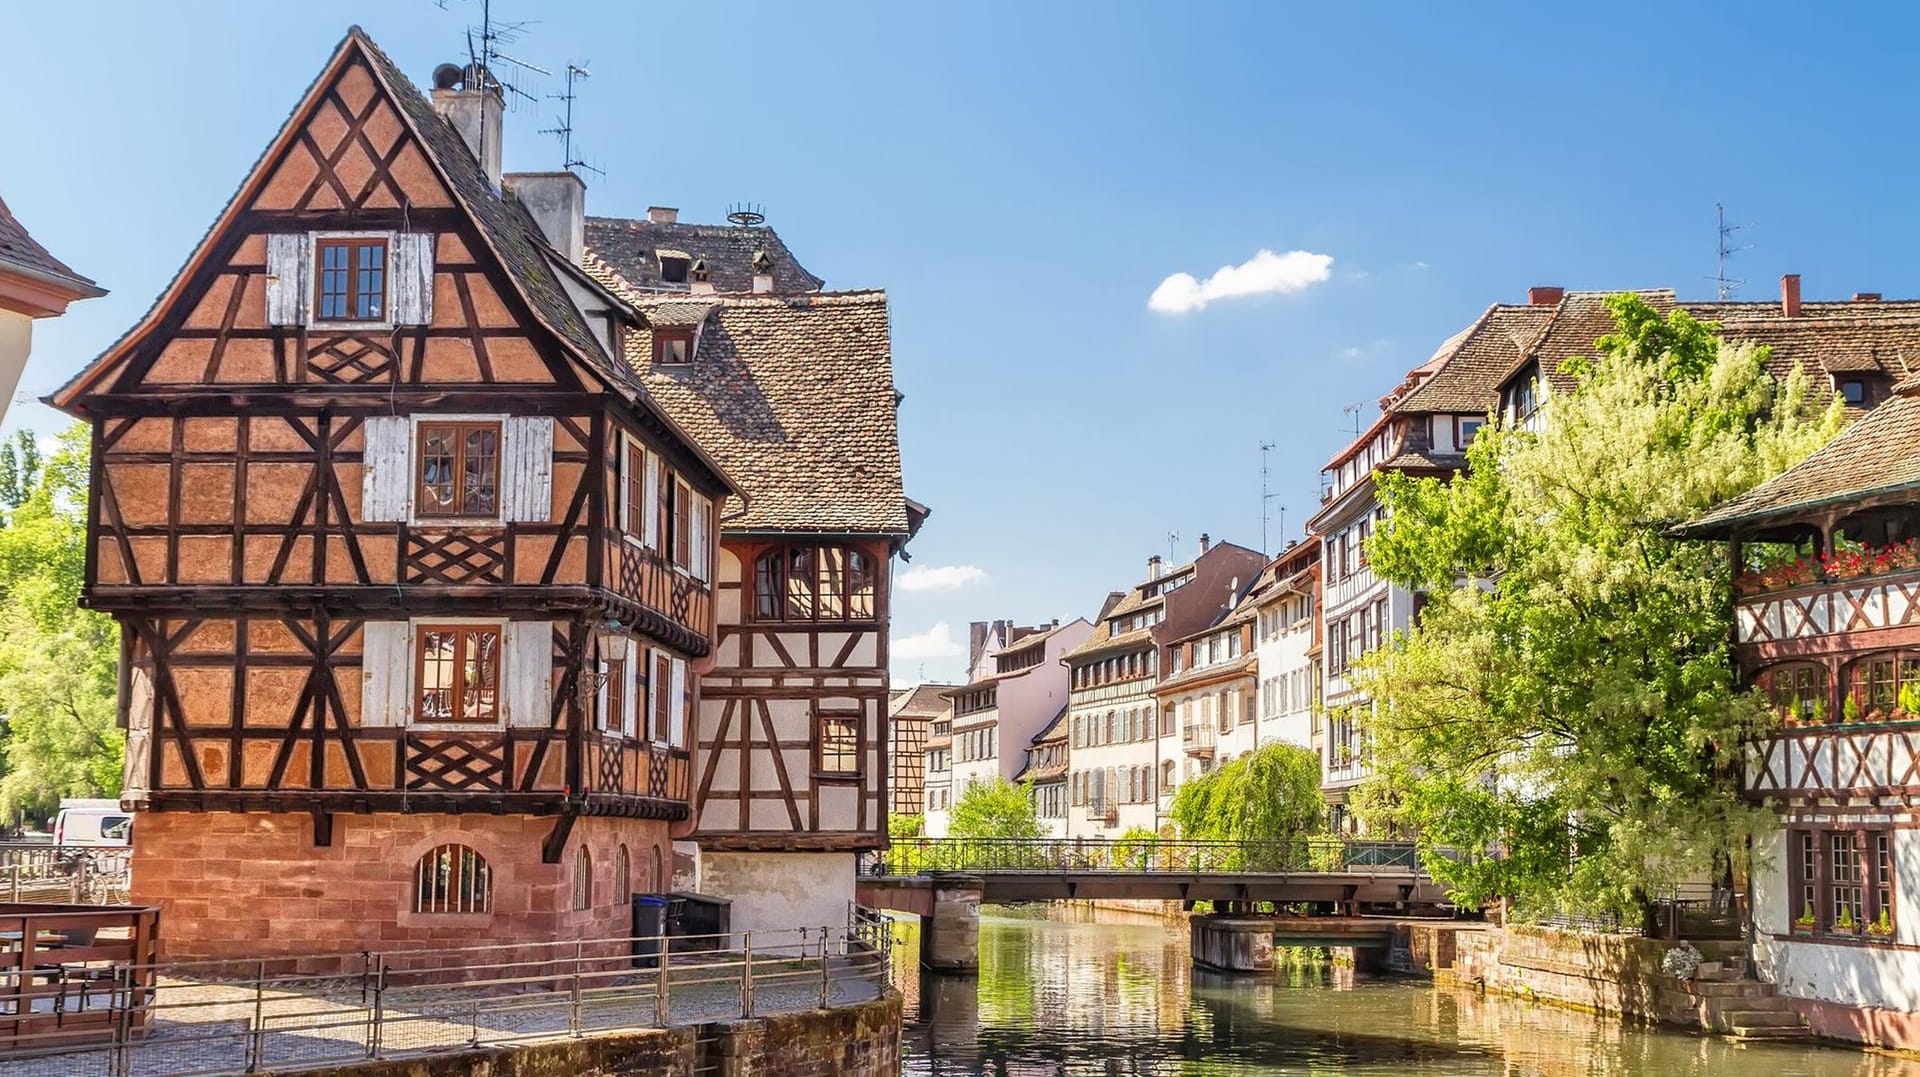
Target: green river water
<point>1112,993</point>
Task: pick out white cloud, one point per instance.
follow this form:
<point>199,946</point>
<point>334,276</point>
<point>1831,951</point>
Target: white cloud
<point>1266,273</point>
<point>940,577</point>
<point>1420,265</point>
<point>935,642</point>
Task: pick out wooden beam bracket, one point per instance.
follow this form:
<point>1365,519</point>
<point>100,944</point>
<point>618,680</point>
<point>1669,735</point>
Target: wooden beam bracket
<point>556,840</point>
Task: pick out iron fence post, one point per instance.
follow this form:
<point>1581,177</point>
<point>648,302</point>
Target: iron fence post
<point>662,1008</point>
<point>746,976</point>
<point>573,994</point>
<point>123,990</point>
<point>376,1034</point>
<point>256,1028</point>
<point>823,966</point>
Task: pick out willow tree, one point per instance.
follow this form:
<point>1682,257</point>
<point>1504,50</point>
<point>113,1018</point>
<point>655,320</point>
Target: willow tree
<point>1272,792</point>
<point>1563,720</point>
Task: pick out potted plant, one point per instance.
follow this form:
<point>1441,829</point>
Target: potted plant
<point>1882,926</point>
<point>1819,716</point>
<point>1845,924</point>
<point>1850,709</point>
<point>1804,925</point>
<point>1909,701</point>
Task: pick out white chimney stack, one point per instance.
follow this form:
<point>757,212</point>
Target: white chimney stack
<point>469,100</point>
<point>662,214</point>
<point>557,202</point>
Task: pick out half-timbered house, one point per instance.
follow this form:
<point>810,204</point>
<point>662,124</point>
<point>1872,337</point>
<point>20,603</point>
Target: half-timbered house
<point>793,392</point>
<point>1827,626</point>
<point>410,570</point>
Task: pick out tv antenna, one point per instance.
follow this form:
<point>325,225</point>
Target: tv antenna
<point>1266,498</point>
<point>1725,286</point>
<point>1353,410</point>
<point>485,54</point>
<point>1173,544</point>
<point>563,128</point>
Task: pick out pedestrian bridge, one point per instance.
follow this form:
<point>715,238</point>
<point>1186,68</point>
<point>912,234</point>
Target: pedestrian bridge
<point>944,880</point>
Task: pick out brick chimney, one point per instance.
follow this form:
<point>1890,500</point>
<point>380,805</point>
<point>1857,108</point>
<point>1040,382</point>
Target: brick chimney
<point>662,214</point>
<point>1545,295</point>
<point>1205,543</point>
<point>558,203</point>
<point>1153,567</point>
<point>1790,294</point>
<point>469,100</point>
<point>1866,297</point>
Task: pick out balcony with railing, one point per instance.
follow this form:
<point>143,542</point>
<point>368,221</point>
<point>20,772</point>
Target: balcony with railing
<point>1197,739</point>
<point>1857,589</point>
<point>1103,808</point>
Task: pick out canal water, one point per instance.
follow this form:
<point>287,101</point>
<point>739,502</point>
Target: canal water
<point>1099,992</point>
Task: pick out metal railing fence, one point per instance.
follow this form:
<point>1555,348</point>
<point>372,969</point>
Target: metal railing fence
<point>220,1018</point>
<point>918,856</point>
<point>80,874</point>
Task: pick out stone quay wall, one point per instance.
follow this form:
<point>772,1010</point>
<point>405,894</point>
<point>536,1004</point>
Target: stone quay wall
<point>859,1040</point>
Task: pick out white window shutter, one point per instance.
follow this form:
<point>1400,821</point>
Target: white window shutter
<point>698,560</point>
<point>413,278</point>
<point>625,499</point>
<point>386,472</point>
<point>626,689</point>
<point>527,666</point>
<point>386,667</point>
<point>289,277</point>
<point>526,469</point>
<point>677,704</point>
<point>654,466</point>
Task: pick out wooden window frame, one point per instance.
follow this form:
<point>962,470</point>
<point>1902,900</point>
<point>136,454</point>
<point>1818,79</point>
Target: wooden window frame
<point>1875,875</point>
<point>462,631</point>
<point>855,718</point>
<point>460,428</point>
<point>660,713</point>
<point>673,335</point>
<point>633,485</point>
<point>859,591</point>
<point>613,718</point>
<point>353,244</point>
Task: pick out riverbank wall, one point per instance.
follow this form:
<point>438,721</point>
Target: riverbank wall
<point>856,1040</point>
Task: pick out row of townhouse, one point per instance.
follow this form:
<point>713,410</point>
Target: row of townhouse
<point>1195,665</point>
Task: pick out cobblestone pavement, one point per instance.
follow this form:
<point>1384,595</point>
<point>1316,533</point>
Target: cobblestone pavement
<point>205,1028</point>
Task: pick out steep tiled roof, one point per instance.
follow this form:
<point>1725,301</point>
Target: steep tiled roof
<point>1878,455</point>
<point>1238,666</point>
<point>18,250</point>
<point>728,249</point>
<point>1103,641</point>
<point>1827,337</point>
<point>1467,371</point>
<point>921,701</point>
<point>793,395</point>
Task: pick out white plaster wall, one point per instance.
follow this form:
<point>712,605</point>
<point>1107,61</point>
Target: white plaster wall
<point>1282,656</point>
<point>1849,975</point>
<point>16,340</point>
<point>778,891</point>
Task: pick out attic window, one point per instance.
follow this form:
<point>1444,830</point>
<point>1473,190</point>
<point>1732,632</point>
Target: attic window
<point>674,266</point>
<point>673,346</point>
<point>351,280</point>
<point>1854,391</point>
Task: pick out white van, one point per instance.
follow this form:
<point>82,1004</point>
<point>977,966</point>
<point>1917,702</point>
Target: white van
<point>98,823</point>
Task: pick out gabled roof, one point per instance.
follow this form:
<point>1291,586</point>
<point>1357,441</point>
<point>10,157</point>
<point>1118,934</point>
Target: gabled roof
<point>21,253</point>
<point>794,394</point>
<point>920,701</point>
<point>1878,456</point>
<point>1468,369</point>
<point>511,234</point>
<point>729,250</point>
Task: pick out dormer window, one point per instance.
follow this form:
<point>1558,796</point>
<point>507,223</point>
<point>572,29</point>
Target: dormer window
<point>673,346</point>
<point>762,263</point>
<point>1854,391</point>
<point>674,266</point>
<point>350,282</point>
<point>698,272</point>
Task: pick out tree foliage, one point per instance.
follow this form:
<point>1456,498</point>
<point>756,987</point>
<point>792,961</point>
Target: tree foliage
<point>994,809</point>
<point>58,663</point>
<point>1564,716</point>
<point>1272,792</point>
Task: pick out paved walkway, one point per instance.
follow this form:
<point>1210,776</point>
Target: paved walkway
<point>204,1028</point>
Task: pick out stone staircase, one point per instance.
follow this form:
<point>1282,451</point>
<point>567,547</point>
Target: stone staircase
<point>1741,1008</point>
<point>1777,1022</point>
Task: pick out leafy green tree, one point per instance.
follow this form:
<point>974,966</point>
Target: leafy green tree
<point>57,662</point>
<point>1270,793</point>
<point>994,809</point>
<point>905,826</point>
<point>19,469</point>
<point>1563,720</point>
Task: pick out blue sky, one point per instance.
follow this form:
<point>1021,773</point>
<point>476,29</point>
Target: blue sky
<point>1022,177</point>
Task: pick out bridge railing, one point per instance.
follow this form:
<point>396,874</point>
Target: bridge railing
<point>918,856</point>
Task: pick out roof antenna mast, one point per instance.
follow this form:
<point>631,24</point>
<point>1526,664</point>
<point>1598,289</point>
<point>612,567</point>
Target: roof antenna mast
<point>482,54</point>
<point>563,127</point>
<point>1266,498</point>
<point>1725,286</point>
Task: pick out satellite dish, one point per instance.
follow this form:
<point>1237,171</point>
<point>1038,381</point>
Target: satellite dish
<point>447,76</point>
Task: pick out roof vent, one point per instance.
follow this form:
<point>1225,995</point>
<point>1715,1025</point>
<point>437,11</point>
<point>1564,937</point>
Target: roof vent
<point>447,77</point>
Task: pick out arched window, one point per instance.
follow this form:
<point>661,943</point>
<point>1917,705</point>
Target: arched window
<point>1167,776</point>
<point>452,878</point>
<point>660,881</point>
<point>813,583</point>
<point>622,877</point>
<point>582,879</point>
<point>1880,684</point>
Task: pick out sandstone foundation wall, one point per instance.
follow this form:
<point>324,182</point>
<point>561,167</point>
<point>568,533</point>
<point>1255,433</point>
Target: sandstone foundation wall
<point>253,884</point>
